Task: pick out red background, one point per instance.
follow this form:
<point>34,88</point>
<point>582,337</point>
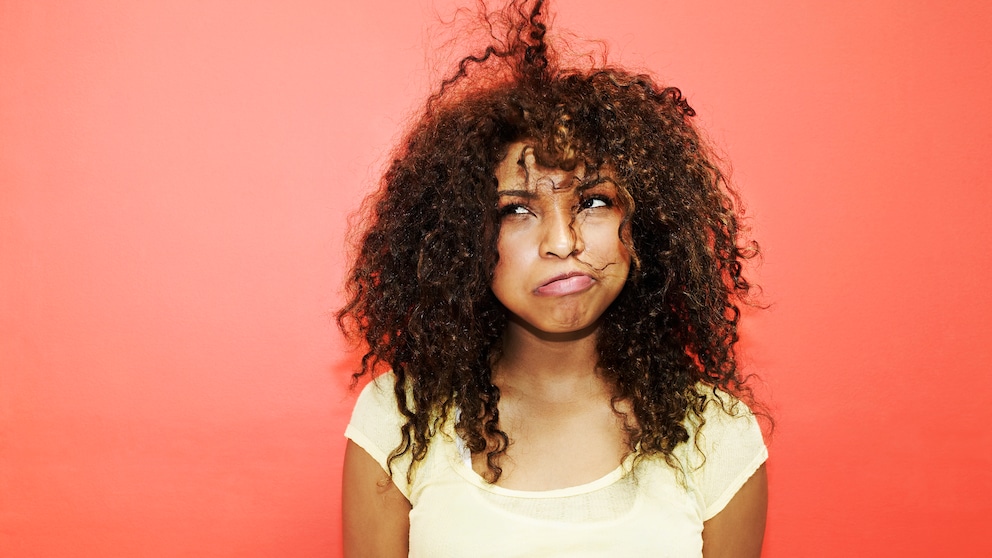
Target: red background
<point>175,179</point>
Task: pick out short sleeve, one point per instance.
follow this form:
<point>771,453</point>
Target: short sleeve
<point>732,450</point>
<point>376,426</point>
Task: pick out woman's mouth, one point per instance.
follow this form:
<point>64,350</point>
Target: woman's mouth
<point>565,285</point>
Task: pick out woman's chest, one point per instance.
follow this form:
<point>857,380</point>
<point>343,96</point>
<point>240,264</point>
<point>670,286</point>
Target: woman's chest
<point>621,514</point>
<point>554,448</point>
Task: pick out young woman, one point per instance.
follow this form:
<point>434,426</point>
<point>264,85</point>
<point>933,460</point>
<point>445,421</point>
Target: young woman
<point>548,280</point>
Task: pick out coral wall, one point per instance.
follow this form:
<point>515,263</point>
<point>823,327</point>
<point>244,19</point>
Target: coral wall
<point>175,181</point>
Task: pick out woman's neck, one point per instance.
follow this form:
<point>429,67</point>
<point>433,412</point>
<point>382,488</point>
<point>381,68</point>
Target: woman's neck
<point>548,366</point>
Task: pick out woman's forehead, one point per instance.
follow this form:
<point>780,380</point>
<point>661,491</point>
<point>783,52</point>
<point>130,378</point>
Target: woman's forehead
<point>520,170</point>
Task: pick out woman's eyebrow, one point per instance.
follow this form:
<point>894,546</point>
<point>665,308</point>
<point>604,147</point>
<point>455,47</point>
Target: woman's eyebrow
<point>529,194</point>
<point>594,181</point>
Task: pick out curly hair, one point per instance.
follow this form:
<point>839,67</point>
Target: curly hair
<point>419,290</point>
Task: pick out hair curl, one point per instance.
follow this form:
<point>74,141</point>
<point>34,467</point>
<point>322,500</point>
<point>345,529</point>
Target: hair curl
<point>419,290</point>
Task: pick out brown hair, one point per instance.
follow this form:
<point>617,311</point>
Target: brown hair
<point>419,288</point>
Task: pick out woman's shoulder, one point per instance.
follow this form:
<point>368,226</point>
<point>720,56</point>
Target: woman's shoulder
<point>720,404</point>
<point>378,416</point>
<point>378,396</point>
<point>376,422</point>
<point>723,419</point>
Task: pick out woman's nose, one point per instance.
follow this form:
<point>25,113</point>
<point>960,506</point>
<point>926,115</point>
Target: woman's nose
<point>560,235</point>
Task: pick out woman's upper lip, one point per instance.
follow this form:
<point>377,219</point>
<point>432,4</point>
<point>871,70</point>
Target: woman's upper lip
<point>562,276</point>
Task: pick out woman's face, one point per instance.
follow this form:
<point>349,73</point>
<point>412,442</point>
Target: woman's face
<point>561,259</point>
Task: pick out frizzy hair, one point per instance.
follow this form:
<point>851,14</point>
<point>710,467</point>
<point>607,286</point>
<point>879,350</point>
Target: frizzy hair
<point>419,289</point>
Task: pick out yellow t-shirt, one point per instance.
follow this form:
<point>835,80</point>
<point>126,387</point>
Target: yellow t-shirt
<point>639,509</point>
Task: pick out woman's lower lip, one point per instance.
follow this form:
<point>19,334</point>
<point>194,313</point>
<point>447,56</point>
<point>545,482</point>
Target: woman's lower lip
<point>568,285</point>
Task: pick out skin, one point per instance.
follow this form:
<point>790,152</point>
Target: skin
<point>561,261</point>
<point>376,515</point>
<point>561,264</point>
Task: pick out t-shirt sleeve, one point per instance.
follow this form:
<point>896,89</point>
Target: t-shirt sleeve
<point>732,449</point>
<point>376,427</point>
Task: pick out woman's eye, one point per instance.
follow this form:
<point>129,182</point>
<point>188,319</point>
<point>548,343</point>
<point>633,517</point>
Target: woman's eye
<point>596,201</point>
<point>512,209</point>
